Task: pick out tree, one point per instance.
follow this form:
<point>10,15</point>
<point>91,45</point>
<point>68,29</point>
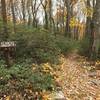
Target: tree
<point>13,15</point>
<point>34,7</point>
<point>44,5</point>
<point>96,29</point>
<point>89,27</point>
<point>23,10</point>
<point>49,10</point>
<point>67,29</point>
<point>89,19</point>
<point>69,8</point>
<point>4,16</point>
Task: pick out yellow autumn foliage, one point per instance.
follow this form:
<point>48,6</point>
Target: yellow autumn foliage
<point>47,67</point>
<point>46,95</point>
<point>8,98</point>
<point>88,11</point>
<point>73,22</point>
<point>97,63</point>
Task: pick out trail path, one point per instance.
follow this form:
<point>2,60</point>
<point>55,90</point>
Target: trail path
<point>77,81</point>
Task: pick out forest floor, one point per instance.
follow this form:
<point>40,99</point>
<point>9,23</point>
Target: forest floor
<point>76,78</point>
<point>79,78</point>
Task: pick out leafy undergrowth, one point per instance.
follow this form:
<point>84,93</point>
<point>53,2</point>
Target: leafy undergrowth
<point>26,82</point>
<point>78,78</point>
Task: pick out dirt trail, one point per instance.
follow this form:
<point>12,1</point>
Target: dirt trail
<point>75,80</point>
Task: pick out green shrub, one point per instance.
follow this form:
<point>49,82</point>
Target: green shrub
<point>21,77</point>
<point>84,48</point>
<point>37,44</point>
<point>66,45</point>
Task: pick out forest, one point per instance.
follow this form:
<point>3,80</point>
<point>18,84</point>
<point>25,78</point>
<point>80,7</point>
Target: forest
<point>49,49</point>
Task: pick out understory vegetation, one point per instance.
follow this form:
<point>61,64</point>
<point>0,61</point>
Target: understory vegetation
<point>84,49</point>
<point>38,54</point>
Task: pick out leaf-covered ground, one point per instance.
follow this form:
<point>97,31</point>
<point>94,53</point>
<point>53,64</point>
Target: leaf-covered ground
<point>76,78</point>
<point>79,78</point>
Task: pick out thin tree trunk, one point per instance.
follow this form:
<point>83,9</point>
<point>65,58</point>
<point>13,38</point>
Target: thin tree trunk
<point>4,16</point>
<point>96,30</point>
<point>67,28</point>
<point>23,11</point>
<point>13,15</point>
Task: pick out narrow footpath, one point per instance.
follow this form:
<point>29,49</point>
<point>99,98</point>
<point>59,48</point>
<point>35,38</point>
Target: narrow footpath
<point>79,79</point>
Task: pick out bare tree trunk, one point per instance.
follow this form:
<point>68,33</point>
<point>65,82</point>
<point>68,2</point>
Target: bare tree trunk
<point>13,15</point>
<point>34,9</point>
<point>44,5</point>
<point>88,30</point>
<point>88,23</point>
<point>49,10</point>
<point>23,10</point>
<point>96,29</point>
<point>67,29</point>
<point>4,16</point>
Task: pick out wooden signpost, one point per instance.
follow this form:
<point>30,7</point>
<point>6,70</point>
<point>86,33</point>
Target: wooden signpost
<point>8,49</point>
